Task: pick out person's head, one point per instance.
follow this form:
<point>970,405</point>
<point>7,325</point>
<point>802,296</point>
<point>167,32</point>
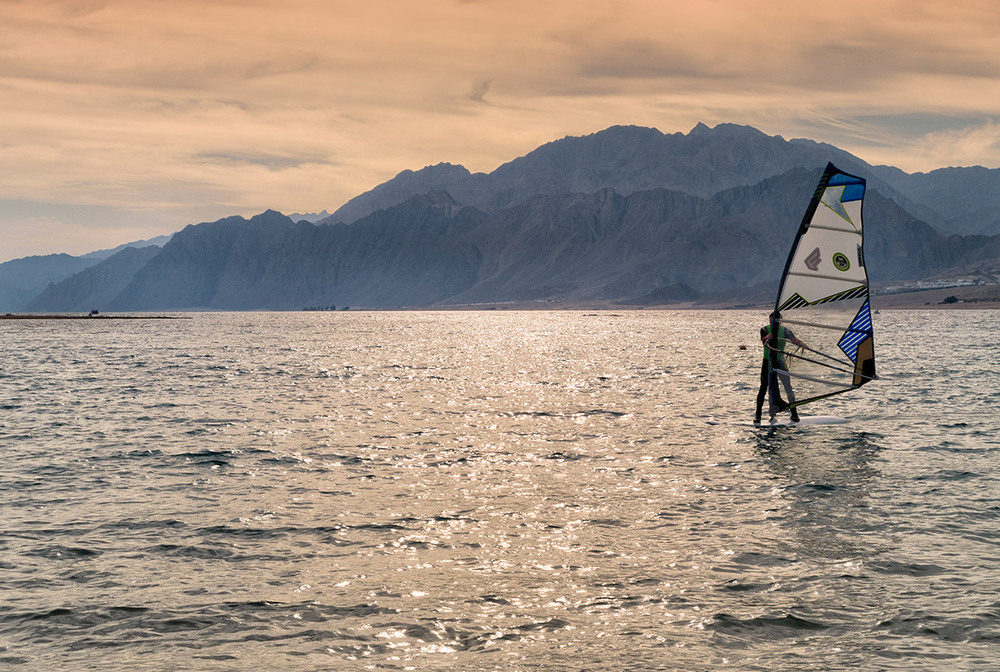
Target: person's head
<point>775,316</point>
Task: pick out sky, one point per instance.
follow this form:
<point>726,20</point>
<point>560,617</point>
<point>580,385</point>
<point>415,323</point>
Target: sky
<point>121,120</point>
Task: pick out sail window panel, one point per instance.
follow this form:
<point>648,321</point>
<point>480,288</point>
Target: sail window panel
<point>822,365</point>
<point>836,214</point>
<point>812,288</point>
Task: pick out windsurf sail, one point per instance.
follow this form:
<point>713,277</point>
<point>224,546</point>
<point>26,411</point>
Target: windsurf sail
<point>822,314</point>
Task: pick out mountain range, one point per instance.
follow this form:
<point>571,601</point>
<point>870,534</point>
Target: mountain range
<point>628,215</point>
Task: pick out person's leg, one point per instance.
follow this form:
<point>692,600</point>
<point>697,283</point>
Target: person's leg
<point>776,403</point>
<point>762,390</point>
<point>786,382</point>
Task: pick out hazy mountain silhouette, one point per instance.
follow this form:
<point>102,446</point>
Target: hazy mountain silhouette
<point>22,279</point>
<point>97,285</point>
<point>409,255</point>
<point>627,215</point>
<point>701,163</point>
<point>648,247</point>
<point>624,158</point>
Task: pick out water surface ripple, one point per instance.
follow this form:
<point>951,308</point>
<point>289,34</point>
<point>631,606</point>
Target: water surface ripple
<point>491,491</point>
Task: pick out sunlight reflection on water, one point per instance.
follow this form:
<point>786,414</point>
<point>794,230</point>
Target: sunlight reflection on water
<point>489,490</point>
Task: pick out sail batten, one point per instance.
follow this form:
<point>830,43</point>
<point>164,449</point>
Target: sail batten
<point>816,325</point>
<point>837,228</point>
<point>823,297</point>
<point>832,278</point>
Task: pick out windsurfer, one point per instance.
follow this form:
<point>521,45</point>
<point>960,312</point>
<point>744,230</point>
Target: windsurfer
<point>774,358</point>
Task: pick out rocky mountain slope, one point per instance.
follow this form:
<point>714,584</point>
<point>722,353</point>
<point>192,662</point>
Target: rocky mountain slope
<point>628,215</point>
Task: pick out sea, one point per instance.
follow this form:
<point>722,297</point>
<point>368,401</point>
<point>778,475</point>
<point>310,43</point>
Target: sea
<point>491,490</point>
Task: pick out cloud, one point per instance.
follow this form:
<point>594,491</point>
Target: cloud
<point>302,104</point>
<point>479,91</point>
<point>972,145</point>
<point>271,162</point>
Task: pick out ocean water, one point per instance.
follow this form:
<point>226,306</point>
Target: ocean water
<point>491,491</point>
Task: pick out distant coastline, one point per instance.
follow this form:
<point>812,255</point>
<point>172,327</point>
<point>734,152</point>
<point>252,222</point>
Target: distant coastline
<point>973,297</point>
<point>61,316</point>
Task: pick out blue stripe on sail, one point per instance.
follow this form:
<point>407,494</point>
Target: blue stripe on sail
<point>853,192</point>
<point>854,187</point>
<point>839,178</point>
<point>860,329</point>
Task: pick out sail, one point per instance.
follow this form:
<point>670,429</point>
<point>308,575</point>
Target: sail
<point>823,304</point>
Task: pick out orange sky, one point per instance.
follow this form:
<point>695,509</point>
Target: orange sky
<point>127,119</point>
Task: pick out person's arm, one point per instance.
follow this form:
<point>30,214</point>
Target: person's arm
<point>765,338</point>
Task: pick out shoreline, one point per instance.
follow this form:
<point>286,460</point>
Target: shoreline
<point>59,316</point>
<point>973,297</point>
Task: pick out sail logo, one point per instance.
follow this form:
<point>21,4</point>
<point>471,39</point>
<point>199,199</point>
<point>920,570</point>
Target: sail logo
<point>812,261</point>
<point>841,262</point>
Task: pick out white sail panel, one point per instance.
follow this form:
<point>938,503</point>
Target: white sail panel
<point>827,258</point>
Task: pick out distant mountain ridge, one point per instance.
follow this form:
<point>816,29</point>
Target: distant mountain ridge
<point>701,163</point>
<point>97,285</point>
<point>628,215</point>
<point>623,158</point>
<point>644,248</point>
<point>23,280</point>
<point>158,241</point>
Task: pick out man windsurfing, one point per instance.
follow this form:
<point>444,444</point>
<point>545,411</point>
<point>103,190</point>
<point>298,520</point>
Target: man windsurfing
<point>773,336</point>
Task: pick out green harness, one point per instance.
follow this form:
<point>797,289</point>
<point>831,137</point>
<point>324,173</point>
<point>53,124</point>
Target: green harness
<point>778,348</point>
